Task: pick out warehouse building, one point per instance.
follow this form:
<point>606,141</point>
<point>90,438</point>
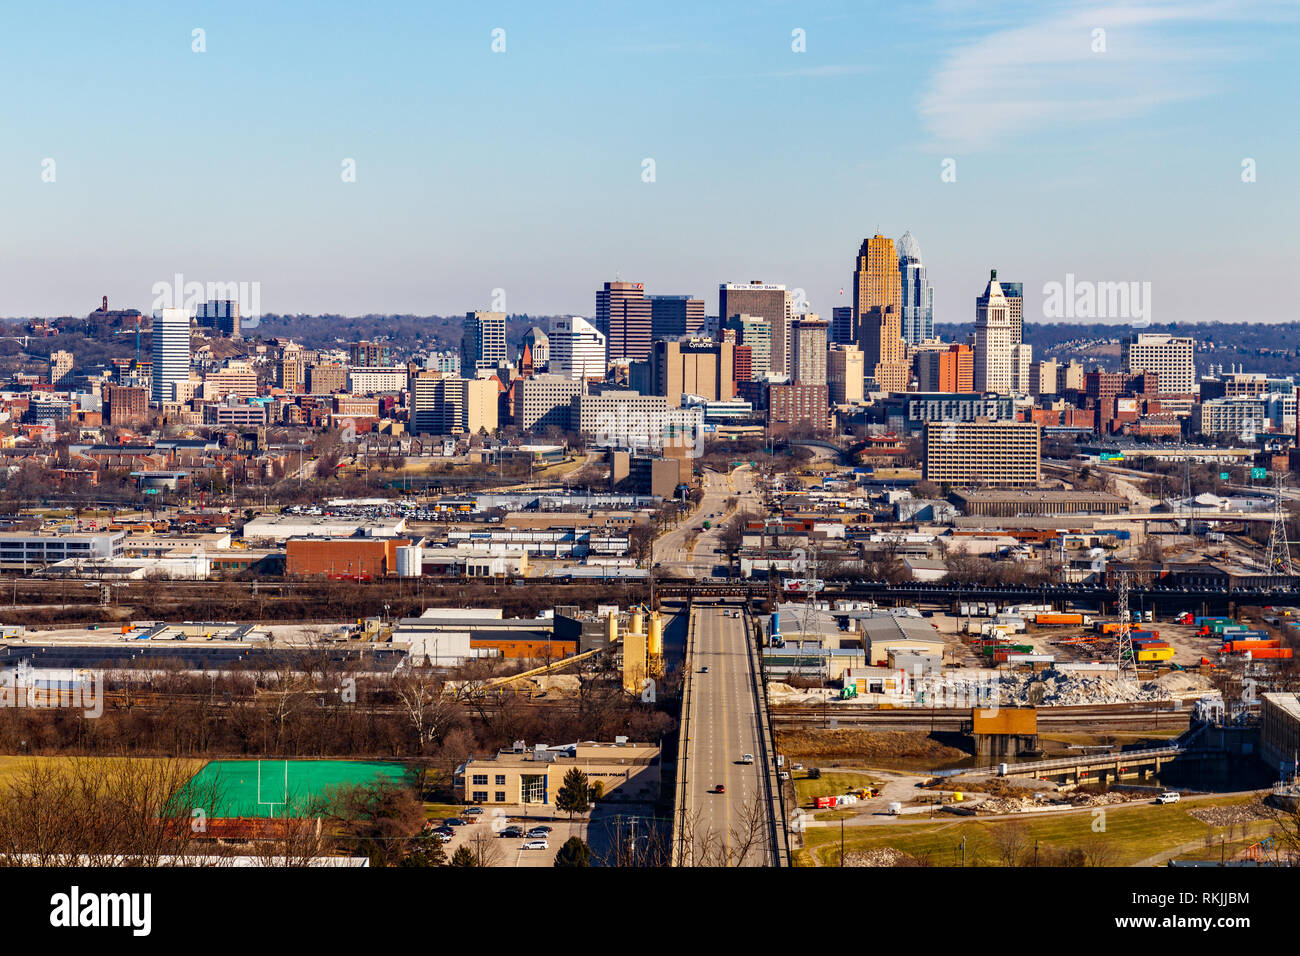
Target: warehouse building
<point>1031,502</point>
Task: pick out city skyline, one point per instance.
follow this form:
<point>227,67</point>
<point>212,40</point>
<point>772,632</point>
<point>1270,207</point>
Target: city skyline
<point>1090,175</point>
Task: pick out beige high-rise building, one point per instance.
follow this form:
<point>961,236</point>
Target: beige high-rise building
<point>878,304</point>
<point>696,367</point>
<point>808,337</point>
<point>1069,376</point>
<point>1042,377</point>
<point>993,340</point>
<point>983,454</point>
<point>845,372</point>
<point>1022,360</point>
<point>1170,357</point>
<point>449,405</point>
<point>60,365</point>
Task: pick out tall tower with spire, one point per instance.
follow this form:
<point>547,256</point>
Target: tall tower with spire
<point>993,339</point>
<point>878,305</point>
<point>918,294</point>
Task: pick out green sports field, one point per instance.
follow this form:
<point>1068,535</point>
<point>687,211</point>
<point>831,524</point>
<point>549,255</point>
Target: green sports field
<point>280,788</point>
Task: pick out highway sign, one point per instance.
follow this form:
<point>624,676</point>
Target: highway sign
<point>1258,474</point>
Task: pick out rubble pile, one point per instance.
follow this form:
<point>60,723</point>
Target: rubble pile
<point>880,856</point>
<point>1229,816</point>
<point>1051,687</point>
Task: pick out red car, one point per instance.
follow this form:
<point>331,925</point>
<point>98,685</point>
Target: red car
<point>719,789</point>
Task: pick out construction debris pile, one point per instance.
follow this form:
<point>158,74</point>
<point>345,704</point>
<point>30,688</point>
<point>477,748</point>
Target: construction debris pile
<point>880,856</point>
<point>1230,816</point>
<point>1023,803</point>
<point>1051,687</point>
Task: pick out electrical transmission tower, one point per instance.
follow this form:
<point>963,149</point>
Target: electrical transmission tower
<point>1279,552</point>
<point>1124,655</point>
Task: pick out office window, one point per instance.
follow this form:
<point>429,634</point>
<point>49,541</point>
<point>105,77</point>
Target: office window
<point>480,779</point>
<point>501,780</point>
<point>480,796</point>
<point>501,796</point>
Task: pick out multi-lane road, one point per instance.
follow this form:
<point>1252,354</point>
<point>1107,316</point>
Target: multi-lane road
<point>673,550</point>
<point>731,828</point>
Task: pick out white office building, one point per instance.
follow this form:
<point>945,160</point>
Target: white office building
<point>1170,357</point>
<point>171,353</point>
<point>577,349</point>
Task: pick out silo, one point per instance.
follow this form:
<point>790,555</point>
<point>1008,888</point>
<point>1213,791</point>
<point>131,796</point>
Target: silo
<point>638,620</point>
<point>656,647</point>
<point>410,561</point>
<point>611,627</point>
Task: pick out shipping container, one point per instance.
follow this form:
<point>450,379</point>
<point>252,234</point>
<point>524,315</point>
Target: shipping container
<point>1144,633</point>
<point>1271,654</point>
<point>1076,620</point>
<point>1159,654</point>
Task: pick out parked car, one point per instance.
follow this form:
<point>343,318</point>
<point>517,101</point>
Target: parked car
<point>473,811</point>
<point>537,845</point>
<point>536,832</point>
<point>1170,796</point>
<point>455,822</point>
<point>512,832</point>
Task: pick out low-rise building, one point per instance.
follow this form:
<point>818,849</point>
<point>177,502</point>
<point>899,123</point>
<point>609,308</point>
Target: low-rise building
<point>626,772</point>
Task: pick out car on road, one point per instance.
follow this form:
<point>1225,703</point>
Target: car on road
<point>511,833</point>
<point>1169,796</point>
<point>704,669</point>
<point>748,758</point>
<point>719,788</point>
<point>536,845</point>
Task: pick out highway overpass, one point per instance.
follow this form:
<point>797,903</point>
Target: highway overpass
<point>724,718</point>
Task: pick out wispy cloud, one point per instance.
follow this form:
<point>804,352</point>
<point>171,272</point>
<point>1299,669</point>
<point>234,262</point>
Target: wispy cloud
<point>1016,81</point>
<point>828,70</point>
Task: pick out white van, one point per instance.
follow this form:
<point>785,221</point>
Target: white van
<point>1170,796</point>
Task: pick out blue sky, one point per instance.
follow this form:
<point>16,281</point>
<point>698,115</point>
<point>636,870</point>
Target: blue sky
<point>522,170</point>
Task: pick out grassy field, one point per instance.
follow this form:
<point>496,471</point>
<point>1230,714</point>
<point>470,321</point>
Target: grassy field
<point>1132,834</point>
<point>831,784</point>
<point>11,765</point>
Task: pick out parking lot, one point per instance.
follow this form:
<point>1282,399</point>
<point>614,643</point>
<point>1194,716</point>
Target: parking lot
<point>509,851</point>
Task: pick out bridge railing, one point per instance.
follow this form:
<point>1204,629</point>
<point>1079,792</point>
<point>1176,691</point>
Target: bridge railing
<point>780,834</point>
<point>680,829</point>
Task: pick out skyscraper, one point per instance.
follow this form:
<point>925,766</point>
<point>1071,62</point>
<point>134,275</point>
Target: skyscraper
<point>844,331</point>
<point>808,338</point>
<point>577,349</point>
<point>757,335</point>
<point>993,343</point>
<point>623,316</point>
<point>171,353</point>
<point>877,302</point>
<point>918,294</point>
<point>766,301</point>
<point>482,341</point>
<point>1015,294</point>
<point>675,316</point>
